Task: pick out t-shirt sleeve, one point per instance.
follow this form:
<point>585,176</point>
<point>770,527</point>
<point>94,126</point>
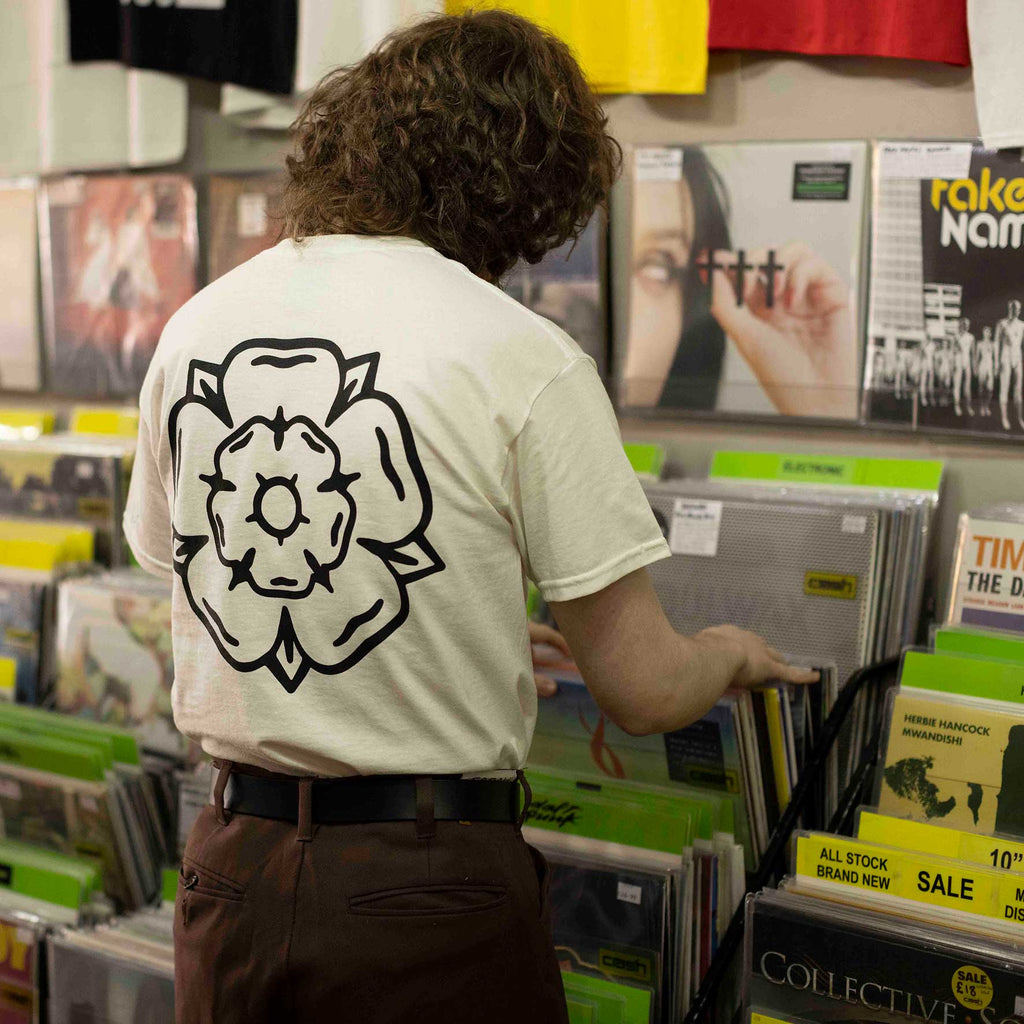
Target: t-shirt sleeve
<point>147,516</point>
<point>580,516</point>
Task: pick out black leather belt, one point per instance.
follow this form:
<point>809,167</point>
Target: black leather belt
<point>371,798</point>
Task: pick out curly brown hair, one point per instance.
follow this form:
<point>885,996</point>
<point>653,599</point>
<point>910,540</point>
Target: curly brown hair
<point>476,134</point>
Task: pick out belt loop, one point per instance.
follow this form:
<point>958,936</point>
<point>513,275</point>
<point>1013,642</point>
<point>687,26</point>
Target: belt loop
<point>304,832</point>
<point>223,816</point>
<point>426,826</point>
<point>527,797</point>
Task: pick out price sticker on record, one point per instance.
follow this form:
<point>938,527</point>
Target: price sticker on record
<point>695,527</point>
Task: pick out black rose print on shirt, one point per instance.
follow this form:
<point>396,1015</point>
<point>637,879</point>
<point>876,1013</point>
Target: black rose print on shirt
<point>300,507</point>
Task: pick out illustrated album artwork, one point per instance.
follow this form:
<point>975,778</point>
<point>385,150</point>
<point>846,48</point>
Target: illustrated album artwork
<point>118,257</point>
<point>945,331</point>
<point>744,280</point>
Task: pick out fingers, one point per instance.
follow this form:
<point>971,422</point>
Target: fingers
<point>546,686</point>
<point>799,676</point>
<point>541,634</point>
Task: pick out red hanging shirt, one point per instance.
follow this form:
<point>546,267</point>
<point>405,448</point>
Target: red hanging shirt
<point>916,29</point>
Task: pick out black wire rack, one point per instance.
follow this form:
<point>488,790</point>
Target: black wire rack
<point>870,683</point>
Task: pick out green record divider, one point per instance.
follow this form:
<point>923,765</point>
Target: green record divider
<point>593,1000</point>
<point>169,885</point>
<point>963,675</point>
<point>58,756</point>
<point>123,746</point>
<point>833,470</point>
<point>42,875</point>
<point>647,460</point>
<point>979,643</point>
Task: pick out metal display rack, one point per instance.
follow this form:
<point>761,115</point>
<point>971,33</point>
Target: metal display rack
<point>871,681</point>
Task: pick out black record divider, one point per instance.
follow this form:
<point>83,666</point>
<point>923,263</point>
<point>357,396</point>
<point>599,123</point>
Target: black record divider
<point>772,865</point>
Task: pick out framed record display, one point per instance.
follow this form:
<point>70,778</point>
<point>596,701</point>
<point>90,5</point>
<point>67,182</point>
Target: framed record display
<point>19,318</point>
<point>244,219</point>
<point>119,257</point>
<point>945,331</point>
<point>744,280</point>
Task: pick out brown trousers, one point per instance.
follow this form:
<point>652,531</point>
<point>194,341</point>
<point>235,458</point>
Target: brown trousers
<point>363,923</point>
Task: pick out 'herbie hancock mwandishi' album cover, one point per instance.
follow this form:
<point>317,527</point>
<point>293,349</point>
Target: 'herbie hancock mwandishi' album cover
<point>744,280</point>
<point>119,257</point>
<point>945,332</point>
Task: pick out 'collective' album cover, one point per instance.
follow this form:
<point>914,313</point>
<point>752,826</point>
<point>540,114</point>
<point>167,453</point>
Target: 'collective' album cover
<point>119,256</point>
<point>744,271</point>
<point>945,333</point>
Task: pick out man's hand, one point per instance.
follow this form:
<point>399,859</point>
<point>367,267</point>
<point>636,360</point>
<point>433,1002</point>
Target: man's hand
<point>760,663</point>
<point>550,650</point>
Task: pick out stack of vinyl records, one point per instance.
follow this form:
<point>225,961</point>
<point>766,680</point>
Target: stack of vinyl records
<point>70,477</point>
<point>33,557</point>
<point>987,589</point>
<point>78,788</point>
<point>39,891</point>
<point>120,972</point>
<point>746,752</point>
<point>920,915</point>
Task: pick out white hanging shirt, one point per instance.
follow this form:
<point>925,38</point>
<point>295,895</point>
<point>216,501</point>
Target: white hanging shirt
<point>362,451</point>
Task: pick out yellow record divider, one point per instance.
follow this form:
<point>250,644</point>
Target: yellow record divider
<point>25,423</point>
<point>923,878</point>
<point>8,674</point>
<point>115,421</point>
<point>27,544</point>
<point>995,852</point>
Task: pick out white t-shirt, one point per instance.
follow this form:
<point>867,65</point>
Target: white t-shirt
<point>364,450</point>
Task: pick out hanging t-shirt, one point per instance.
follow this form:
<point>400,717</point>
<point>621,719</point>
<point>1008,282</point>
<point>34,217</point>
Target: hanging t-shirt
<point>250,42</point>
<point>352,453</point>
<point>916,29</point>
<point>643,46</point>
<point>329,34</point>
<point>997,27</point>
<point>56,116</point>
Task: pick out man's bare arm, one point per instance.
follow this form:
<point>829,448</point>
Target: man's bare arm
<point>644,675</point>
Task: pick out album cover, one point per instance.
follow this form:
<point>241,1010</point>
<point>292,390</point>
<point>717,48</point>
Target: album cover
<point>829,964</point>
<point>88,984</point>
<point>568,287</point>
<point>608,920</point>
<point>744,279</point>
<point>987,588</point>
<point>25,610</point>
<point>954,763</point>
<point>19,300</point>
<point>945,332</point>
<point>244,219</point>
<point>114,657</point>
<point>118,257</point>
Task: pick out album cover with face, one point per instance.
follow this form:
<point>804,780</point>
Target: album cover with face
<point>945,330</point>
<point>118,258</point>
<point>744,266</point>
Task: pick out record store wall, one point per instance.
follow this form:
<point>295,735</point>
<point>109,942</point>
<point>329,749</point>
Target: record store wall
<point>749,97</point>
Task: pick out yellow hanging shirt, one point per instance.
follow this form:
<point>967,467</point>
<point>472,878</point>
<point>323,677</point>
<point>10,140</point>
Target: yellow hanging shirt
<point>646,46</point>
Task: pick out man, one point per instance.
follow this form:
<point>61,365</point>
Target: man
<point>963,367</point>
<point>353,451</point>
<point>986,369</point>
<point>928,368</point>
<point>1009,341</point>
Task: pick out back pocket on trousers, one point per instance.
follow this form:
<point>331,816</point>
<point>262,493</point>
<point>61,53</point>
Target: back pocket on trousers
<point>429,900</point>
